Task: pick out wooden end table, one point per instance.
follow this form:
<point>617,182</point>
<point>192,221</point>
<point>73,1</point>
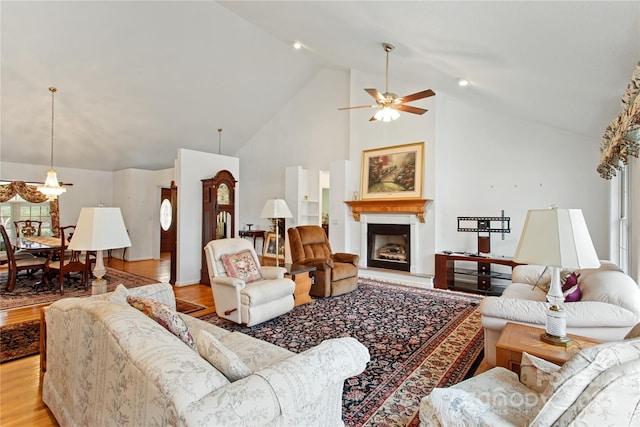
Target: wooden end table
<point>301,292</point>
<point>516,338</point>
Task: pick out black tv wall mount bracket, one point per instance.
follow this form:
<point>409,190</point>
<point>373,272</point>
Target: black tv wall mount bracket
<point>484,226</point>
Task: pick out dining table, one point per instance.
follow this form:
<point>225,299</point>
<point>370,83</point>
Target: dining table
<point>39,246</point>
<point>37,243</point>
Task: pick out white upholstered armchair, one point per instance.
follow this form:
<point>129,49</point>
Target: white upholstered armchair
<point>244,291</point>
<point>597,387</point>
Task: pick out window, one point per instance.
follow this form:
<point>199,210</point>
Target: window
<point>18,209</point>
<point>623,219</point>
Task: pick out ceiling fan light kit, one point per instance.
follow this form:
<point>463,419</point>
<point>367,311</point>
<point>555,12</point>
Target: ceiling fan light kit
<point>390,104</point>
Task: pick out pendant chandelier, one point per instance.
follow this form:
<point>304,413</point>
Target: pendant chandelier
<point>51,188</point>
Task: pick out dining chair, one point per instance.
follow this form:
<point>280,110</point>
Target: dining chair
<point>28,228</point>
<point>62,262</point>
<point>20,262</point>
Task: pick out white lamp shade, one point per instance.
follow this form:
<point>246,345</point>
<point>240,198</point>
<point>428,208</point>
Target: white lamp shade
<point>99,229</point>
<point>556,238</point>
<point>276,208</point>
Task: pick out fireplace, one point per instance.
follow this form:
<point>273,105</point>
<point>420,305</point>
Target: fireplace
<point>389,246</point>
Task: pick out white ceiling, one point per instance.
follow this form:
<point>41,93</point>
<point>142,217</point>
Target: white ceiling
<point>139,79</point>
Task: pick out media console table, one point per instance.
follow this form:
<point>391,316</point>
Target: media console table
<point>445,270</point>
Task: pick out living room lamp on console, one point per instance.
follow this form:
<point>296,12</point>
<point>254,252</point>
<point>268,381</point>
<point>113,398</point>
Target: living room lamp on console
<point>556,238</point>
<point>276,209</point>
<point>99,229</point>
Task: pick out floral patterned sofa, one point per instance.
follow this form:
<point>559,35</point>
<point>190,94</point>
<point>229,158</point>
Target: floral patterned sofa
<point>597,387</point>
<point>110,364</point>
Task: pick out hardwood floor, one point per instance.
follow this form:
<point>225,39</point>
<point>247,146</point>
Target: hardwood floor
<point>20,394</point>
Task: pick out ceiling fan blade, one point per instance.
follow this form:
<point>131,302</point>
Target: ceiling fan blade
<point>377,95</point>
<point>418,95</point>
<point>359,106</point>
<point>373,118</point>
<point>410,109</point>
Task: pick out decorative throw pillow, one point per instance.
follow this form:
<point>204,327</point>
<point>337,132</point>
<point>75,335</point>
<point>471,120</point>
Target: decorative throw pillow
<point>165,316</point>
<point>242,265</point>
<point>570,287</point>
<point>536,373</point>
<point>221,358</point>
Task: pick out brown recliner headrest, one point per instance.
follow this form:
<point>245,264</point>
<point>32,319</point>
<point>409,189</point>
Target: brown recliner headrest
<point>308,242</point>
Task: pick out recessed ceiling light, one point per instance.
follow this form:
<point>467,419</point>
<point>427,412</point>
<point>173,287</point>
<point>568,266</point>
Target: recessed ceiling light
<point>463,82</point>
<point>297,45</point>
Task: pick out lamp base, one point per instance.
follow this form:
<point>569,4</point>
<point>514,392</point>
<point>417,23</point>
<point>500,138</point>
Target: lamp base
<point>98,286</point>
<point>554,340</point>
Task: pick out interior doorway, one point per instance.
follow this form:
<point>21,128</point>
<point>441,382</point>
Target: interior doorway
<point>168,222</point>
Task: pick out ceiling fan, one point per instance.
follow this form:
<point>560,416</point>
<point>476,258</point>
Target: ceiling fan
<point>389,102</point>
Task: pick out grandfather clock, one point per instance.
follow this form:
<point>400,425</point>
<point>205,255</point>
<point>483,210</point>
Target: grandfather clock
<point>218,212</point>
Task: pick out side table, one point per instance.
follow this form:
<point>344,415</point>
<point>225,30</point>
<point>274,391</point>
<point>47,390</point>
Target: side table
<point>301,292</point>
<point>253,233</point>
<point>516,338</point>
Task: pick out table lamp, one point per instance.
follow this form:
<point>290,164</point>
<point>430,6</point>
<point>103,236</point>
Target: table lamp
<point>99,229</point>
<point>557,238</point>
<point>276,209</point>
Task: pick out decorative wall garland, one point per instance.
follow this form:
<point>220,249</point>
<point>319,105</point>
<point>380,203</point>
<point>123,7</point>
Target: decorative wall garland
<point>622,137</point>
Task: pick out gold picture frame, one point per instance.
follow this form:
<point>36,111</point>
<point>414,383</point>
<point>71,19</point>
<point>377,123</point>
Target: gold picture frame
<point>269,247</point>
<point>392,172</point>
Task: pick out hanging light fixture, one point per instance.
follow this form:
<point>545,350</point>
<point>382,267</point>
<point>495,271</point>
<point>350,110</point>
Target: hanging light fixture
<point>386,114</point>
<point>51,188</point>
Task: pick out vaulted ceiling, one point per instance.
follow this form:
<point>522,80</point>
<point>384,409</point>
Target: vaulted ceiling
<point>139,79</point>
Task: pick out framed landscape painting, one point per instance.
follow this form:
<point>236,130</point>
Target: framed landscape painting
<point>393,172</point>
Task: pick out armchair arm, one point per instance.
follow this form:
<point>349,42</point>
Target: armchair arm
<point>271,272</point>
<point>348,258</point>
<point>288,389</point>
<point>319,263</point>
<point>229,281</point>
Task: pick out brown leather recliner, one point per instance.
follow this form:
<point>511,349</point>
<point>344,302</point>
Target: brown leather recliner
<point>335,274</point>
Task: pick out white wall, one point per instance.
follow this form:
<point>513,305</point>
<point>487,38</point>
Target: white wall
<point>487,162</point>
<point>191,168</point>
<point>308,131</point>
<point>90,188</point>
<point>137,200</point>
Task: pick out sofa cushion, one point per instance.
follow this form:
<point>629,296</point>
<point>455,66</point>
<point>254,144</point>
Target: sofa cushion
<point>242,265</point>
<point>255,353</point>
<point>221,357</point>
<point>576,375</point>
<point>120,294</point>
<point>165,316</point>
<point>612,287</point>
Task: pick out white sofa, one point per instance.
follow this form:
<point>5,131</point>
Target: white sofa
<point>597,387</point>
<point>608,309</point>
<point>108,364</point>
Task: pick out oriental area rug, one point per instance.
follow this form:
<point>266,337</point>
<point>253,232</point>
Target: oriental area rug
<point>418,339</point>
<point>25,294</point>
<point>23,339</point>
